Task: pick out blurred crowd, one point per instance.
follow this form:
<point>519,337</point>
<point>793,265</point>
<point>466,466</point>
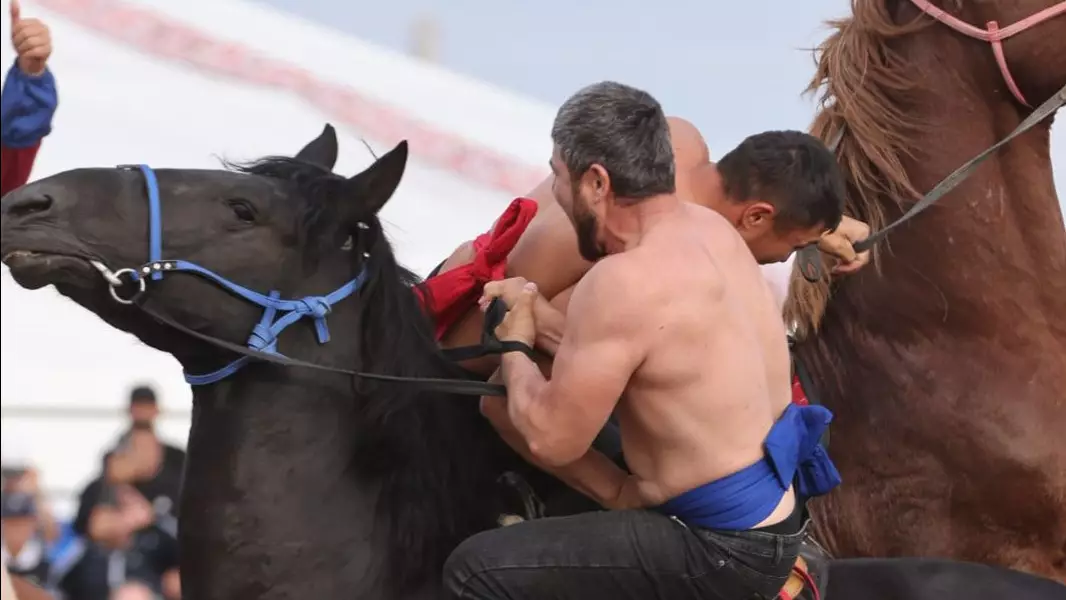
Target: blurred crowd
<point>122,544</point>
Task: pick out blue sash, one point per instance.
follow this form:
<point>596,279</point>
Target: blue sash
<point>744,499</point>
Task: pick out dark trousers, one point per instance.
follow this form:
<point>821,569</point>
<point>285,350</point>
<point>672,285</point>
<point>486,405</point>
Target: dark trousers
<point>634,554</point>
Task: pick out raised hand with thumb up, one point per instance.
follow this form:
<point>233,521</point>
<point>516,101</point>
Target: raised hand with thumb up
<point>32,41</point>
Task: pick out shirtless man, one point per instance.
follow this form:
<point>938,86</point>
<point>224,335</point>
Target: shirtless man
<point>676,330</point>
<point>773,226</point>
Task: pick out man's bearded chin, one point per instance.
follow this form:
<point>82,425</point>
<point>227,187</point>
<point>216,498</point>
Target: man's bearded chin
<point>590,249</point>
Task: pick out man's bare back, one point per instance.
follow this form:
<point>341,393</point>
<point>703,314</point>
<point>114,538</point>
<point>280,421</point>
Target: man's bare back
<point>714,373</point>
<point>677,331</point>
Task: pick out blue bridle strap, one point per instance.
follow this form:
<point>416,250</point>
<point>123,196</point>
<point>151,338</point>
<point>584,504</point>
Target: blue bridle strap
<point>278,314</point>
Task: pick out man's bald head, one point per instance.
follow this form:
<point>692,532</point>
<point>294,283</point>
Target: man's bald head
<point>690,149</point>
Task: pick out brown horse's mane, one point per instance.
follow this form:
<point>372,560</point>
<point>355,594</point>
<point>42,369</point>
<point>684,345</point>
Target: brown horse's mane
<point>866,89</point>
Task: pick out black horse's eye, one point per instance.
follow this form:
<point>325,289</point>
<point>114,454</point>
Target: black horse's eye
<point>242,210</point>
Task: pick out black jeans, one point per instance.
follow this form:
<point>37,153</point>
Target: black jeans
<point>635,554</point>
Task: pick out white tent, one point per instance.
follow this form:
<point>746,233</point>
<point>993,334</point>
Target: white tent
<point>181,84</point>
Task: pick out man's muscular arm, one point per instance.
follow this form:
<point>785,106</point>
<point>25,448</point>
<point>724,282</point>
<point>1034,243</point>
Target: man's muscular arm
<point>551,326</point>
<point>599,352</point>
<point>593,475</point>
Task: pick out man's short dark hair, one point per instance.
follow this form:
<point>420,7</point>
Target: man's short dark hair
<point>624,130</point>
<point>792,170</point>
<point>142,394</point>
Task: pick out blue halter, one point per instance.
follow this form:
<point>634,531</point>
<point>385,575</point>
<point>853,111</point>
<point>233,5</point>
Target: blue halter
<point>277,314</point>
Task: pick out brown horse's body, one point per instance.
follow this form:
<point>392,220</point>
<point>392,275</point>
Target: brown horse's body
<point>946,365</point>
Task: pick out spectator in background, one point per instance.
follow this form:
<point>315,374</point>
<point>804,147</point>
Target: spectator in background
<point>29,100</point>
<point>129,514</point>
<point>28,527</point>
<point>141,458</point>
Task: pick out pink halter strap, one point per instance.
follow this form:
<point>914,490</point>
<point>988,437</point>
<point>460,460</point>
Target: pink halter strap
<point>993,34</point>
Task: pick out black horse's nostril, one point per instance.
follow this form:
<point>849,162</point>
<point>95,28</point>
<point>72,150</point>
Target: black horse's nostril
<point>24,207</point>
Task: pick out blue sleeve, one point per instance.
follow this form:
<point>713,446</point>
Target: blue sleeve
<point>26,108</point>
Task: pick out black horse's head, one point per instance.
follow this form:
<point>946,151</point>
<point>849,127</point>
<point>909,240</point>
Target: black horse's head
<point>281,223</point>
<point>285,224</point>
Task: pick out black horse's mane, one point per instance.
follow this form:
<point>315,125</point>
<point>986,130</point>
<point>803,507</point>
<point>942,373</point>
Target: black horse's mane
<point>434,454</point>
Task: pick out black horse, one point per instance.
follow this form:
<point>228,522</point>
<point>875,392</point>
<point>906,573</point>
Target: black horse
<point>304,483</point>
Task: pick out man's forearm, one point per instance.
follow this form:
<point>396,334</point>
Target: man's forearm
<point>534,414</point>
<point>525,384</point>
<point>550,324</point>
<point>593,475</point>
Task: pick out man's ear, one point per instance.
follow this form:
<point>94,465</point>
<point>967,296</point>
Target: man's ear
<point>596,182</point>
<point>599,179</point>
<point>321,151</point>
<point>757,216</point>
<point>371,189</point>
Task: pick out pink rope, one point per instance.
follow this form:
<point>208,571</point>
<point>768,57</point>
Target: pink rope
<point>994,34</point>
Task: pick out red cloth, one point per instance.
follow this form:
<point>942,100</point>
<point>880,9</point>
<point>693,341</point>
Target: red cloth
<point>15,166</point>
<point>449,295</point>
<point>798,395</point>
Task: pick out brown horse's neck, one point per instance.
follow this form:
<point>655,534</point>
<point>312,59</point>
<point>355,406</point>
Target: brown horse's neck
<point>945,368</point>
<point>995,246</point>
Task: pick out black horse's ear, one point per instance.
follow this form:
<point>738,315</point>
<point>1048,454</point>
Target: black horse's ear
<point>371,189</point>
<point>321,151</point>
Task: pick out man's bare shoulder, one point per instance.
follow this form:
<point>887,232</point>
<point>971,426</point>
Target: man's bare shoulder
<point>542,194</point>
<point>718,231</point>
<point>615,286</point>
<point>626,288</point>
<point>698,215</point>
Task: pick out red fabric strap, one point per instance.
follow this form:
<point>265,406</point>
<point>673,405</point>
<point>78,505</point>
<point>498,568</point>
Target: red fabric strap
<point>449,295</point>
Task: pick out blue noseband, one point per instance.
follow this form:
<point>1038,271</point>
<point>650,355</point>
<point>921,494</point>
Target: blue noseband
<point>277,314</point>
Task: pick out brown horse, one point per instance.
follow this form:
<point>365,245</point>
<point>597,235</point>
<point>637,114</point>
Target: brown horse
<point>946,363</point>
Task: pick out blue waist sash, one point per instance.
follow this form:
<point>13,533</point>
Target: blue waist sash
<point>744,499</point>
